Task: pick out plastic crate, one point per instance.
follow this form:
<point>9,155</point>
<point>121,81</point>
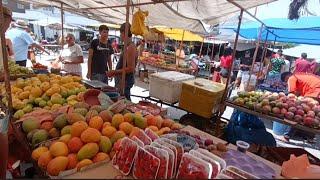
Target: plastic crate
<point>166,86</point>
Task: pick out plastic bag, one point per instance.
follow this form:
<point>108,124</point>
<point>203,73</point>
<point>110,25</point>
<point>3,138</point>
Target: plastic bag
<point>170,160</point>
<point>192,167</point>
<point>146,165</point>
<point>138,27</point>
<point>164,160</point>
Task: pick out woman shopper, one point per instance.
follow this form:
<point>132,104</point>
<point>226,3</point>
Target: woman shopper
<point>131,58</point>
<point>225,64</point>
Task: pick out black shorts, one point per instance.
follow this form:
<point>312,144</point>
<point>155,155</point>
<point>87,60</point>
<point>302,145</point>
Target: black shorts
<point>224,72</point>
<point>22,63</point>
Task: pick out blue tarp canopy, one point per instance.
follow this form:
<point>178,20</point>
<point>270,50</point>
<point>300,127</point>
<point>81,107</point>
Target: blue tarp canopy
<point>306,30</point>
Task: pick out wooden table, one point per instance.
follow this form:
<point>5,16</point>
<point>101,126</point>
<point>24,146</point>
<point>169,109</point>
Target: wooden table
<point>107,171</point>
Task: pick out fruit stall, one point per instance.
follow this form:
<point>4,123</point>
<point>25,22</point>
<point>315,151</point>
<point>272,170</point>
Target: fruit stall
<point>162,63</point>
<point>73,132</point>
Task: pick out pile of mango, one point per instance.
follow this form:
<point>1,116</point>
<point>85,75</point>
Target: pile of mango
<point>46,91</point>
<point>86,135</point>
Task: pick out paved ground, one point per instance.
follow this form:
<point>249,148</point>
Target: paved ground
<point>141,89</point>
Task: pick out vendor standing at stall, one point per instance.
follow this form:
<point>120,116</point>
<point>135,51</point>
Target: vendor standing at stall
<point>131,58</point>
<point>302,84</point>
<point>245,65</point>
<point>71,56</point>
<point>225,65</point>
<point>99,60</point>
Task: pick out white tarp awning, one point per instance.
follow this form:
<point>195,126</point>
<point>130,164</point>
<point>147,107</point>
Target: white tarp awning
<point>187,15</point>
<point>311,50</point>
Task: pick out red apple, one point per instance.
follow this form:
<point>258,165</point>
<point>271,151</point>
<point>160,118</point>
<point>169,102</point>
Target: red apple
<point>298,118</point>
<point>311,114</point>
<point>300,112</point>
<point>289,115</point>
<point>308,121</point>
<point>292,109</point>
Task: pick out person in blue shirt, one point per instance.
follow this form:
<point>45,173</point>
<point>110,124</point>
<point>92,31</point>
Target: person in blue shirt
<point>21,40</point>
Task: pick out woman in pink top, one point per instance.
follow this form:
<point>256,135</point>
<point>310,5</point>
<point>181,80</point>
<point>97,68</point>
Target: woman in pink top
<point>225,64</point>
<point>303,65</point>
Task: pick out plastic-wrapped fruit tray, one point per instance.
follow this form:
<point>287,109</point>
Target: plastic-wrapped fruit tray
<point>248,164</point>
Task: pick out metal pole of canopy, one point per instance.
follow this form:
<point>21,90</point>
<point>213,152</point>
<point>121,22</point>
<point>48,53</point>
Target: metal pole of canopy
<point>222,104</point>
<point>265,49</point>
<point>201,47</point>
<point>181,45</point>
<point>125,57</point>
<point>62,22</point>
<point>255,54</point>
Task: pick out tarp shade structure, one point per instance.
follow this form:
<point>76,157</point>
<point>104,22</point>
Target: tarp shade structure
<point>311,50</point>
<point>177,34</point>
<point>306,30</point>
<point>187,15</point>
<point>52,23</point>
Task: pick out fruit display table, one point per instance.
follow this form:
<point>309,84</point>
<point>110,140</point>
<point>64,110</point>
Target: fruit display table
<point>274,118</point>
<point>160,68</point>
<point>107,171</point>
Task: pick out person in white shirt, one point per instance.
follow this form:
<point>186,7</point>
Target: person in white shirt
<point>286,66</point>
<point>71,56</point>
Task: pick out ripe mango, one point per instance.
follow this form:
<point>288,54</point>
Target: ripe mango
<point>101,156</point>
<point>106,115</point>
<point>77,128</point>
<point>57,165</point>
<point>60,121</point>
<point>83,163</point>
<point>75,117</point>
<point>44,159</point>
<point>73,161</point>
<point>105,144</point>
<point>88,151</point>
<point>59,149</point>
<point>117,135</point>
<point>30,124</point>
<point>90,135</point>
<point>117,119</point>
<point>140,122</point>
<point>38,151</point>
<point>91,114</point>
<point>65,138</point>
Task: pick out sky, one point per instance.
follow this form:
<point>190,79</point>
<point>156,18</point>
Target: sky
<point>280,9</point>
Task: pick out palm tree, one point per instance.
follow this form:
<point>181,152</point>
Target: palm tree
<point>297,8</point>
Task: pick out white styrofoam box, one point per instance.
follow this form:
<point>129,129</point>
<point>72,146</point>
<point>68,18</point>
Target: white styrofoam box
<point>166,86</point>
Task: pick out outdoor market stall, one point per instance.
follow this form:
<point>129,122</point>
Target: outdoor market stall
<point>91,130</point>
<point>302,31</point>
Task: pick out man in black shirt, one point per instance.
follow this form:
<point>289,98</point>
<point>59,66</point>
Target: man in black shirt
<point>99,60</point>
<point>245,65</point>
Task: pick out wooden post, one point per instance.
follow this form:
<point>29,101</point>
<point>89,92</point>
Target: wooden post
<point>212,51</point>
<point>3,137</point>
<point>222,104</point>
<point>255,54</point>
<point>125,57</point>
<point>201,47</point>
<point>181,45</point>
<point>62,22</point>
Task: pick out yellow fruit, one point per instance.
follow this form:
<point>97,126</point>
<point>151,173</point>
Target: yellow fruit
<point>176,126</point>
<point>44,159</point>
<point>126,127</point>
<point>100,157</point>
<point>24,95</point>
<point>38,152</point>
<point>88,151</point>
<point>105,144</point>
<point>72,161</point>
<point>128,117</point>
<point>83,163</point>
<point>153,128</point>
<point>77,128</point>
<point>59,149</point>
<point>65,138</point>
<point>105,124</point>
<point>117,135</point>
<point>134,131</point>
<point>167,123</point>
<point>52,90</point>
<point>45,86</point>
<point>96,122</point>
<point>108,131</point>
<point>57,165</point>
<point>36,92</point>
<point>90,135</point>
<point>117,119</point>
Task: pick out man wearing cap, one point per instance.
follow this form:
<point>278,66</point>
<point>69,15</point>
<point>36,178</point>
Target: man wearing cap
<point>21,40</point>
